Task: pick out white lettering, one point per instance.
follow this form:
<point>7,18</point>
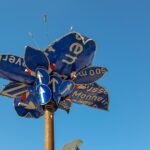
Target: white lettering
<point>12,59</point>
<point>73,59</point>
<point>83,73</point>
<point>18,62</point>
<point>77,49</point>
<point>92,73</point>
<point>5,57</point>
<point>77,94</point>
<point>98,71</point>
<point>78,37</point>
<point>86,97</point>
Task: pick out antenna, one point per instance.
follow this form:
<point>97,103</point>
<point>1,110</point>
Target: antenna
<point>30,34</point>
<point>71,29</point>
<point>45,18</point>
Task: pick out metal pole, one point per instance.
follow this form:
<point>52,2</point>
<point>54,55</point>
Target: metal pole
<point>49,130</point>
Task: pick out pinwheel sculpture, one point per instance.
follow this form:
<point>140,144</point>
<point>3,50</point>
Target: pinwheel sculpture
<point>54,78</point>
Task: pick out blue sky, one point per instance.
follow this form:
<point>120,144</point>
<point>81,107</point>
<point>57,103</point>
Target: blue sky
<point>121,29</point>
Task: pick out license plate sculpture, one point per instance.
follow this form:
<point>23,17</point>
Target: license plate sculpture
<point>56,77</point>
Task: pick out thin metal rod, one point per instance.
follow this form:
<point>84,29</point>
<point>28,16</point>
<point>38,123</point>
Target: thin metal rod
<point>49,130</point>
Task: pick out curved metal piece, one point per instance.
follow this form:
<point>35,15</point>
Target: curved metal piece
<point>13,68</point>
<point>28,107</point>
<point>91,95</point>
<point>89,75</point>
<point>71,53</point>
<point>35,58</point>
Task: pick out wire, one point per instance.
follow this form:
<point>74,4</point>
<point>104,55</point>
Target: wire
<point>71,28</point>
<point>30,34</point>
<point>45,18</point>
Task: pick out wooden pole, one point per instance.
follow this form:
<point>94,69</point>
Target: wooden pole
<point>49,130</point>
